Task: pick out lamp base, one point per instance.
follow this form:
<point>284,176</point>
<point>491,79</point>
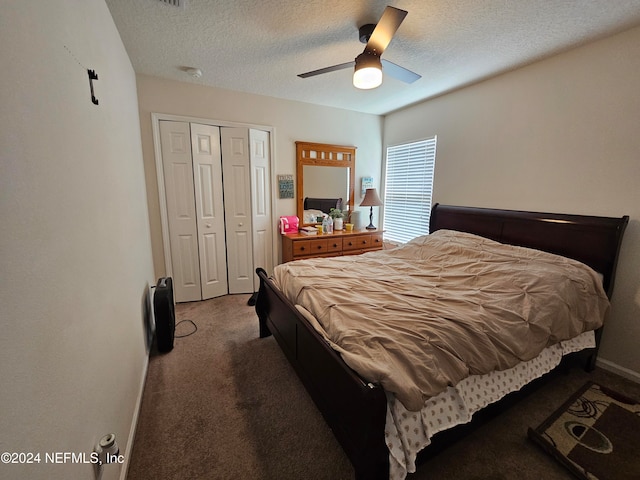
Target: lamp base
<point>370,226</point>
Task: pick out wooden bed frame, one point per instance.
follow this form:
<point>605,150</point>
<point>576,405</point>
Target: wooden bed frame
<point>356,410</point>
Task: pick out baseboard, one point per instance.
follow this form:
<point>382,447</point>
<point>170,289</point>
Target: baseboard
<point>617,369</point>
<point>134,422</point>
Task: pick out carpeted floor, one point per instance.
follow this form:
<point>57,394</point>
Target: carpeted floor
<point>224,404</point>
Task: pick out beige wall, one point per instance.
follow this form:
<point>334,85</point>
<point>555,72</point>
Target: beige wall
<point>291,120</point>
<point>560,135</point>
<point>75,243</point>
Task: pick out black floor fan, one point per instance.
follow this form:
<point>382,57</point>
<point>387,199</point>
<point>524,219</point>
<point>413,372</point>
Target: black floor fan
<point>165,314</point>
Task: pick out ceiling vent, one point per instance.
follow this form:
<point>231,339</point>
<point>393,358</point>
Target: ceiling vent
<point>174,3</point>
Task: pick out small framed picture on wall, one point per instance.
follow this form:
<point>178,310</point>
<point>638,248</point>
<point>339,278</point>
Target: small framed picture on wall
<point>367,182</point>
<point>285,186</point>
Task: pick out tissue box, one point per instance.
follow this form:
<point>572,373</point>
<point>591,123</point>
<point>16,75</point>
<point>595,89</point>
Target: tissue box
<point>289,224</point>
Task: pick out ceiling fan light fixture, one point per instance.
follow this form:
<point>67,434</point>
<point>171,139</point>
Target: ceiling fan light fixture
<point>368,71</point>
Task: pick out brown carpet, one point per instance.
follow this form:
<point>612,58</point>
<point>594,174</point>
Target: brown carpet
<point>224,404</point>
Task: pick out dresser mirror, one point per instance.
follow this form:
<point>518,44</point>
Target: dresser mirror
<point>325,173</point>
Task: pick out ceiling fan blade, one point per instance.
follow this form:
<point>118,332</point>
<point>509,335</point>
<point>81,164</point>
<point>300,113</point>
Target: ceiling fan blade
<point>398,72</point>
<point>327,69</point>
<point>385,30</point>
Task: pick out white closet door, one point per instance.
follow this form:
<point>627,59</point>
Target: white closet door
<point>259,154</point>
<point>207,174</point>
<point>237,198</point>
<point>177,164</point>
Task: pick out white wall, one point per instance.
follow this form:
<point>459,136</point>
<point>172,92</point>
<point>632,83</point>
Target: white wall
<point>560,135</point>
<point>292,121</point>
<point>75,245</point>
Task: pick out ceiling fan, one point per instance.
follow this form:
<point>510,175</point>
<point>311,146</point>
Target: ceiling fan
<point>368,65</point>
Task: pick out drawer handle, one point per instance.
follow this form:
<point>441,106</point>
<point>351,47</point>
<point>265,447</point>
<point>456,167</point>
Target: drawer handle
<point>350,243</point>
<point>335,245</point>
<point>377,240</point>
<point>319,247</point>
<point>364,242</point>
<point>302,249</point>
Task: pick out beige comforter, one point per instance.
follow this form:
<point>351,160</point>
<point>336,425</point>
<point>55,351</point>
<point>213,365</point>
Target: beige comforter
<point>425,315</point>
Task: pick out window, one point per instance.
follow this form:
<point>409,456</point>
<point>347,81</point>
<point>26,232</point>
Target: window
<point>407,191</point>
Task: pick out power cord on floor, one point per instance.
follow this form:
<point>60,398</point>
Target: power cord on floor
<point>195,328</point>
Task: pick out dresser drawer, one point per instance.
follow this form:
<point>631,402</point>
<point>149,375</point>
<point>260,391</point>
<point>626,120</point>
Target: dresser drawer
<point>356,242</point>
<point>309,247</point>
<point>376,240</point>
<point>319,246</point>
<point>302,248</point>
<point>334,244</point>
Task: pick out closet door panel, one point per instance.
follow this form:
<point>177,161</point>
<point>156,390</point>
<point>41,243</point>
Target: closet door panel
<point>183,234</point>
<point>260,152</point>
<point>237,197</point>
<point>205,145</point>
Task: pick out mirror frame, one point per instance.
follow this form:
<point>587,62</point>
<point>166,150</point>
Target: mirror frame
<point>324,155</point>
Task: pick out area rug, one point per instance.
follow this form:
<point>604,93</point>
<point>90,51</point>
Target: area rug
<point>595,434</point>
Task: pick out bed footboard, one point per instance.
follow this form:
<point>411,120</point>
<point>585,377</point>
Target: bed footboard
<point>354,410</point>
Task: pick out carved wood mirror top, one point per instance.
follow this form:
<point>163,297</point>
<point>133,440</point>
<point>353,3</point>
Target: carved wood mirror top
<point>312,155</point>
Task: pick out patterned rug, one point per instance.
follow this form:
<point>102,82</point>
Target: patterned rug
<point>595,434</point>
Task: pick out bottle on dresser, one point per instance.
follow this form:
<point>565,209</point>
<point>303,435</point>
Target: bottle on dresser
<point>327,224</point>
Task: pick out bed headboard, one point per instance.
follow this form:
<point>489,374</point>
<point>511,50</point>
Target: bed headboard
<point>322,204</point>
<point>592,240</point>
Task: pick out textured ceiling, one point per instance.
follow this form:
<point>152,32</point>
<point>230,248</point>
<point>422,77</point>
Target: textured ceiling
<point>260,46</point>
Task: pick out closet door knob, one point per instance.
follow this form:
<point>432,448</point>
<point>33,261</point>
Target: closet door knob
<point>240,224</point>
<point>208,225</point>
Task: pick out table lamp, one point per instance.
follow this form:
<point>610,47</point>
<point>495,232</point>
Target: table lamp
<point>371,199</point>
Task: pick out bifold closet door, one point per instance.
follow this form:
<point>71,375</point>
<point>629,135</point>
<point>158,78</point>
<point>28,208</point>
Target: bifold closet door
<point>207,175</point>
<point>195,209</point>
<point>237,205</point>
<point>218,197</point>
<point>246,157</point>
<point>177,163</point>
<point>259,157</point>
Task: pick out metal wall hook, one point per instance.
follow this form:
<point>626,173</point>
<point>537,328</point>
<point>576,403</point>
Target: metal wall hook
<point>92,76</point>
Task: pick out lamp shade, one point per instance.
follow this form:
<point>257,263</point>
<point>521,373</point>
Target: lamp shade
<point>368,71</point>
<point>371,198</point>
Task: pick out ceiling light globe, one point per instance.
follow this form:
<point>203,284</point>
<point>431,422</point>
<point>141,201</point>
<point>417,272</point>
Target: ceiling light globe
<point>367,78</point>
<point>368,71</point>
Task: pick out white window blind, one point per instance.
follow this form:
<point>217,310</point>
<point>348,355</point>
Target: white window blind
<point>408,189</point>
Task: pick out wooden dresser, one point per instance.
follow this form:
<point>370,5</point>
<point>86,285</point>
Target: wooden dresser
<point>296,246</point>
